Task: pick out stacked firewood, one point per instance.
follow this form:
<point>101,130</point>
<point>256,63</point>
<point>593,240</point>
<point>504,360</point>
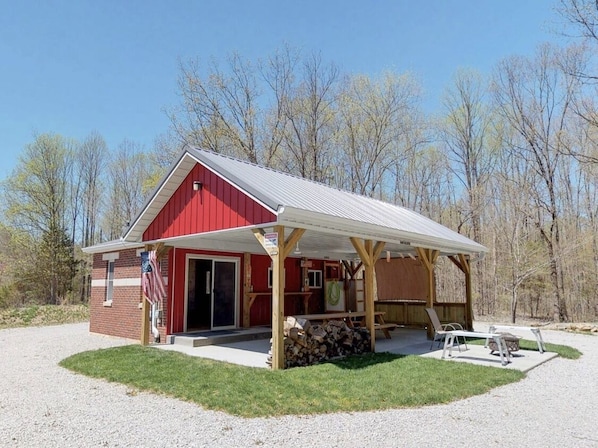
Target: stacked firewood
<point>306,344</point>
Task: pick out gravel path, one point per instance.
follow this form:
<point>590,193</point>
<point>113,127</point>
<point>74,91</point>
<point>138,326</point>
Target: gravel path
<point>42,404</point>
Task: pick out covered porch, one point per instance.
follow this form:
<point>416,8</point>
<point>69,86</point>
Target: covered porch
<point>209,202</point>
<point>279,245</point>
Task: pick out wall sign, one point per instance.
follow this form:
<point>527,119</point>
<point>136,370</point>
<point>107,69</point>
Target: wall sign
<point>271,242</point>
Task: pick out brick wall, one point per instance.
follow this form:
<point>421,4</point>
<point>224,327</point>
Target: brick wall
<point>122,316</point>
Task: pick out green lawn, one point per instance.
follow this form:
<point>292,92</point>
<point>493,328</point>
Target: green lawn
<point>358,383</point>
<point>564,351</point>
<point>40,315</point>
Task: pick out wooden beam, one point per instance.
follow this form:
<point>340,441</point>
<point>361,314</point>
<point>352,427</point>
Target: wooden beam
<point>278,301</point>
<point>456,262</point>
<point>161,250</point>
<point>369,253</point>
<point>277,255</point>
<point>466,263</point>
<point>369,294</point>
<point>377,251</point>
<point>360,248</point>
<point>293,239</point>
<point>145,315</point>
<point>351,268</point>
<point>348,268</point>
<point>259,235</point>
<point>428,258</point>
<point>288,245</point>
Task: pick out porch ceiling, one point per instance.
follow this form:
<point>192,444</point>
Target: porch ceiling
<point>313,244</point>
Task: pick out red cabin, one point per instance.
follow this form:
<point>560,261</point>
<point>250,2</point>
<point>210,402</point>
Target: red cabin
<point>223,228</point>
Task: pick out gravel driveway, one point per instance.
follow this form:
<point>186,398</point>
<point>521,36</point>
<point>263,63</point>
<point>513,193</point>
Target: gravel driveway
<point>42,404</point>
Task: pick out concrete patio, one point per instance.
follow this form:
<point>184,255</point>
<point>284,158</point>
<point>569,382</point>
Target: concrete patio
<point>253,353</point>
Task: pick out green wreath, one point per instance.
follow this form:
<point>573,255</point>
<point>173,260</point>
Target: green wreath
<point>333,294</point>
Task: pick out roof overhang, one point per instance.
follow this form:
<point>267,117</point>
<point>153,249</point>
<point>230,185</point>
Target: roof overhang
<point>320,241</point>
<point>111,246</point>
<point>396,240</point>
<point>326,236</point>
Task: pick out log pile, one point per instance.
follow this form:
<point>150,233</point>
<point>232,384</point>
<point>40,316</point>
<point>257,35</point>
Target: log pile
<point>306,344</point>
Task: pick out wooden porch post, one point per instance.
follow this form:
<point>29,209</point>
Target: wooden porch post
<point>278,301</point>
<point>428,258</point>
<point>369,253</point>
<point>464,264</point>
<point>465,261</point>
<point>278,254</point>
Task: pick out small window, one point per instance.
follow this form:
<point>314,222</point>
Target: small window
<point>315,278</point>
<point>109,281</point>
<point>270,278</point>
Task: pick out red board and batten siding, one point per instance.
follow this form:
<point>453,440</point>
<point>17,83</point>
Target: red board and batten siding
<point>261,311</point>
<point>123,317</point>
<point>217,206</point>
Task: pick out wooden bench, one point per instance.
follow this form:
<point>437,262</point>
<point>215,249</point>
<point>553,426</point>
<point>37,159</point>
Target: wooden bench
<point>385,328</point>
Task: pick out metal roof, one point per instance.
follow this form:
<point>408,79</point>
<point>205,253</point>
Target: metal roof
<point>303,203</point>
<point>328,214</point>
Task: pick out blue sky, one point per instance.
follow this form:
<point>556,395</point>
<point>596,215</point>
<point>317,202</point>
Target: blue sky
<point>72,67</point>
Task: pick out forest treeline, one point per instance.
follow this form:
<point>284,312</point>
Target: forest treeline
<point>510,161</point>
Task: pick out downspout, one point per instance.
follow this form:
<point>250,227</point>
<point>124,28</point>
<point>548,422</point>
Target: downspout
<point>155,331</point>
<point>170,325</point>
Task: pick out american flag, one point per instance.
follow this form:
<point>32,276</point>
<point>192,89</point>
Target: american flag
<point>151,278</point>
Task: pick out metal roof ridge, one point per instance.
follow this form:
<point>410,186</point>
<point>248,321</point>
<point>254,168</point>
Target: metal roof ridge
<point>299,178</point>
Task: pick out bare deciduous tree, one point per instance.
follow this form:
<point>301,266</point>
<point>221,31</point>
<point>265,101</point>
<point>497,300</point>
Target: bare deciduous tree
<point>91,162</point>
<point>129,174</point>
<point>466,133</point>
<point>535,98</point>
<point>371,122</point>
<point>310,110</point>
<point>222,110</point>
